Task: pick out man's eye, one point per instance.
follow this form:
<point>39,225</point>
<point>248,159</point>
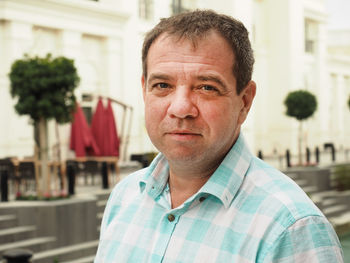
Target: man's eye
<point>208,88</point>
<point>162,85</point>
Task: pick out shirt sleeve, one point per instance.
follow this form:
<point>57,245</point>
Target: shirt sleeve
<point>311,239</point>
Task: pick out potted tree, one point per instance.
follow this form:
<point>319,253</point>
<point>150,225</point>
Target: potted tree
<point>44,89</point>
<point>301,105</point>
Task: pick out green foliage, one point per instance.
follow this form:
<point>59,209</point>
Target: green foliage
<point>349,102</point>
<point>44,87</point>
<point>300,104</point>
<point>342,176</point>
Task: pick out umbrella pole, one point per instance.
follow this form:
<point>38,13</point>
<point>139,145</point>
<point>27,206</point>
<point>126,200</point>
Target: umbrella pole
<point>123,130</point>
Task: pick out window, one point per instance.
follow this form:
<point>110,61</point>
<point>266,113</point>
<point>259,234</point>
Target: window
<point>86,106</point>
<point>310,35</point>
<point>146,9</point>
<point>180,6</point>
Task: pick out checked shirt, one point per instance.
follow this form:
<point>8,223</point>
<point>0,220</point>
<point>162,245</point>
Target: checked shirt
<point>247,212</point>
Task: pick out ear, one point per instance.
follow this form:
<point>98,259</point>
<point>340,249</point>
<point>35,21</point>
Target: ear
<point>247,96</point>
<point>143,83</point>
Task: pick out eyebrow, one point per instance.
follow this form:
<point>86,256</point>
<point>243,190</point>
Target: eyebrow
<point>158,76</point>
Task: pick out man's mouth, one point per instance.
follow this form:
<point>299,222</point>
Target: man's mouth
<point>183,134</point>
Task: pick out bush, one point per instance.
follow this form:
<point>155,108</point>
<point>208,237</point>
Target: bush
<point>342,176</point>
<point>300,104</point>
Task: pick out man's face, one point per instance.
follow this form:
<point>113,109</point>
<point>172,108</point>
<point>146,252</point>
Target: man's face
<point>193,113</point>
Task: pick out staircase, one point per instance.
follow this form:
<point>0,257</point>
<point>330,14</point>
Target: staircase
<point>13,235</point>
<point>19,232</point>
<point>335,205</point>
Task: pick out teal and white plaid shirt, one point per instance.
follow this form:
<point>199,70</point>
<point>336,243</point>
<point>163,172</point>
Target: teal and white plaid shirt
<point>246,212</point>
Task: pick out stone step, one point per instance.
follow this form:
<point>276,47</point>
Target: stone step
<point>335,210</point>
<point>326,202</point>
<point>72,252</point>
<point>100,216</point>
<point>341,223</point>
<point>301,182</point>
<point>101,206</point>
<point>330,202</point>
<point>89,259</point>
<point>102,203</point>
<point>293,176</point>
<point>7,221</point>
<point>14,234</point>
<point>33,244</point>
<point>99,220</point>
<point>319,197</point>
<point>102,194</point>
<point>310,189</point>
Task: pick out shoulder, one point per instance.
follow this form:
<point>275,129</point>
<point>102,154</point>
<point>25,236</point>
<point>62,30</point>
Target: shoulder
<point>279,190</point>
<point>272,201</point>
<point>129,184</point>
<point>123,192</point>
<point>291,219</point>
<point>311,238</point>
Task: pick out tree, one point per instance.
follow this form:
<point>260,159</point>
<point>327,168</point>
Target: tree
<point>301,105</point>
<point>44,88</point>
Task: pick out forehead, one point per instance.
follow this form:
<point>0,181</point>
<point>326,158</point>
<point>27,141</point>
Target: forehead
<point>209,50</point>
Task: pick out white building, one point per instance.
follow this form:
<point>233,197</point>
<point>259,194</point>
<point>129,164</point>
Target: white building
<point>292,47</point>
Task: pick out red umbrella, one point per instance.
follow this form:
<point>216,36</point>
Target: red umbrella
<point>98,124</point>
<point>111,146</point>
<point>104,129</point>
<point>81,139</point>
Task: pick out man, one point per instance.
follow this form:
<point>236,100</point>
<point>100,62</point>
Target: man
<point>205,197</point>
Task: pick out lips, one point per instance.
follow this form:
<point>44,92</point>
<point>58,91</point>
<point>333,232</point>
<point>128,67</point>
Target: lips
<point>183,132</point>
<point>183,135</point>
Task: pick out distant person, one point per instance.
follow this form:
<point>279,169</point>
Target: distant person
<point>205,197</point>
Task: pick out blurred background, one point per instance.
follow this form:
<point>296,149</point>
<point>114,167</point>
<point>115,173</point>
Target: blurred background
<point>298,44</point>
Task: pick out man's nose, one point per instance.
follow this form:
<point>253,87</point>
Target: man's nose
<point>182,104</point>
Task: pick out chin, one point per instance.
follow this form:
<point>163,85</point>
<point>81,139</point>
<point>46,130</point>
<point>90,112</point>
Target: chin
<point>182,156</point>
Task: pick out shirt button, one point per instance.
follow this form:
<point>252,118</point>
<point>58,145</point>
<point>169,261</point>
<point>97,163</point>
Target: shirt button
<point>171,217</point>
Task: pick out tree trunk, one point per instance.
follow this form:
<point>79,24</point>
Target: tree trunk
<point>44,182</point>
<point>300,139</point>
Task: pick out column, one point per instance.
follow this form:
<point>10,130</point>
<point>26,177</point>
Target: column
<point>114,70</point>
<point>70,47</point>
<point>341,107</point>
<point>16,139</point>
<point>70,44</point>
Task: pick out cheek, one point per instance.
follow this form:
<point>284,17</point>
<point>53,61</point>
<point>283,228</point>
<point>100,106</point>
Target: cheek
<point>223,123</point>
<point>220,114</point>
<point>154,112</point>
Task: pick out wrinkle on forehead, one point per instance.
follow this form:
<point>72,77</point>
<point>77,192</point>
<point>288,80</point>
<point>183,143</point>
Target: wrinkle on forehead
<point>190,46</point>
<point>193,39</point>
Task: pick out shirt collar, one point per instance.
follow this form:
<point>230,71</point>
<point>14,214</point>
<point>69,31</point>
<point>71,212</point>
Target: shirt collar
<point>156,176</point>
<point>228,177</point>
<point>223,184</point>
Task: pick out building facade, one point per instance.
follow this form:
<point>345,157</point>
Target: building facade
<point>293,50</point>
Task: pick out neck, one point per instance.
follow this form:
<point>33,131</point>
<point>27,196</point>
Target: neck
<point>183,184</point>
